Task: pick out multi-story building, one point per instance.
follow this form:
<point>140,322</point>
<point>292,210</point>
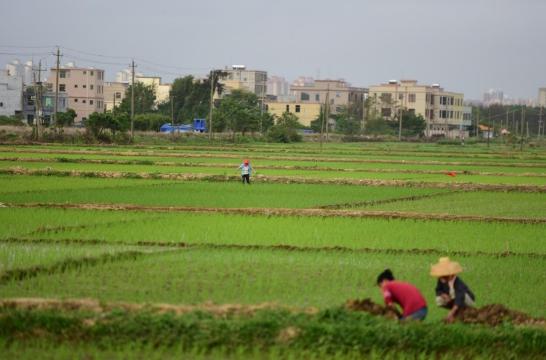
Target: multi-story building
<point>114,93</point>
<point>239,78</point>
<point>84,88</point>
<point>338,93</point>
<point>306,112</point>
<point>442,110</point>
<point>162,91</point>
<point>11,94</point>
<point>542,97</point>
<point>278,87</point>
<point>25,71</point>
<point>493,96</point>
<point>47,105</point>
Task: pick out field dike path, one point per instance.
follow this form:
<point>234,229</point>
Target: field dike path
<point>66,264</point>
<point>95,306</point>
<point>278,179</point>
<point>277,247</point>
<point>265,167</point>
<point>285,212</point>
<point>472,162</point>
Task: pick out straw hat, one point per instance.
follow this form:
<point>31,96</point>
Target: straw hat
<point>445,267</point>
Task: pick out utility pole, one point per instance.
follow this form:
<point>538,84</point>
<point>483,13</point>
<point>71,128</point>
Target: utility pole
<point>172,110</point>
<point>400,113</point>
<point>540,124</point>
<point>328,110</point>
<point>132,99</point>
<point>57,70</point>
<point>488,125</point>
<point>211,102</point>
<point>476,133</point>
<point>38,100</point>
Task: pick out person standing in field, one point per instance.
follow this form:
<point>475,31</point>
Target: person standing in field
<point>407,296</point>
<point>451,292</point>
<point>246,171</point>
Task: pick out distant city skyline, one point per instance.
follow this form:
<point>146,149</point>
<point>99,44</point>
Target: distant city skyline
<point>469,46</point>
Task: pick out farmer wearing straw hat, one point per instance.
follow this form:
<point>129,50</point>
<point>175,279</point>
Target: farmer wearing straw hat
<point>246,170</point>
<point>451,292</point>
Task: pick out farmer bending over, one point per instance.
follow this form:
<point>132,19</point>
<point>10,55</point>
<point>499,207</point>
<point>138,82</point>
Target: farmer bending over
<point>451,292</point>
<point>404,294</point>
<point>246,170</point>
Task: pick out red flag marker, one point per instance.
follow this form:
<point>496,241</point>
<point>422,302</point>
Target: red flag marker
<point>451,173</point>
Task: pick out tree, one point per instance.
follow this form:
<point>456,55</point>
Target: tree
<point>347,122</point>
<point>99,122</point>
<point>144,99</point>
<point>238,112</point>
<point>412,124</point>
<point>65,118</point>
<point>190,98</point>
<point>150,122</point>
<point>376,125</point>
<point>285,130</point>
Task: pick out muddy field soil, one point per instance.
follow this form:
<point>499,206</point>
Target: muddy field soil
<point>492,315</point>
<point>497,314</point>
<point>367,305</point>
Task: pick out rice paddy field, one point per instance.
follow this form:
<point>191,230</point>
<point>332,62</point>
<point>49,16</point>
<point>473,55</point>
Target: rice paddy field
<point>161,251</point>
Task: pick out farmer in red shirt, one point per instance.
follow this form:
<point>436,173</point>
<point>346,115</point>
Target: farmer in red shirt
<point>404,294</point>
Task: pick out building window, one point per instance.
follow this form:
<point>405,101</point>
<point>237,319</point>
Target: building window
<point>317,97</point>
<point>62,87</point>
<point>386,98</point>
<point>90,102</point>
<point>1,104</point>
<point>62,74</point>
<point>91,73</point>
<point>75,85</point>
<point>83,101</point>
<point>298,108</point>
<point>287,108</point>
<point>85,72</point>
<point>338,94</point>
<point>304,96</point>
<point>118,95</point>
<point>386,112</point>
<point>266,107</point>
<point>75,100</point>
<point>91,87</point>
<point>84,86</point>
<point>411,98</point>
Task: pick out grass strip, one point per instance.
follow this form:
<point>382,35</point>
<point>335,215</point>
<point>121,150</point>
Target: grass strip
<point>277,179</point>
<point>65,265</point>
<point>287,212</point>
<point>330,331</point>
<point>285,158</point>
<point>383,201</point>
<point>264,167</point>
<point>280,247</point>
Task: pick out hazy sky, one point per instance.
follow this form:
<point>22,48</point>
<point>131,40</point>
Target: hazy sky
<point>465,45</point>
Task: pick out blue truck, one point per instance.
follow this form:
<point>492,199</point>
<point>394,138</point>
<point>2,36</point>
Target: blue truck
<point>199,125</point>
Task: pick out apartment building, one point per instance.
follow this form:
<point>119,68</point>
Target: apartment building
<point>442,110</point>
<point>162,91</point>
<point>114,93</point>
<point>84,88</point>
<point>339,93</point>
<point>306,112</point>
<point>47,105</point>
<point>277,86</point>
<point>11,94</point>
<point>239,78</point>
<point>542,97</point>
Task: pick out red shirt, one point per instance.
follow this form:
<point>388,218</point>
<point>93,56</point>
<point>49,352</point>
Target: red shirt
<point>406,295</point>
